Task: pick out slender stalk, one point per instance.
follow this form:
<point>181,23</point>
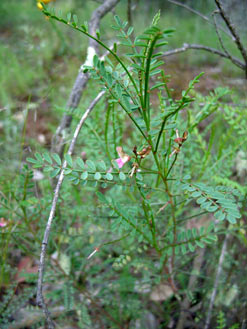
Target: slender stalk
<point>173,163</point>
<point>107,125</point>
<point>40,299</point>
<point>75,27</point>
<point>147,71</point>
<point>163,126</point>
<point>131,117</point>
<point>152,224</point>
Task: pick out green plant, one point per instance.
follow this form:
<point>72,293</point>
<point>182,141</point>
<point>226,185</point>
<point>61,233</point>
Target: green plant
<point>149,188</point>
<point>155,174</point>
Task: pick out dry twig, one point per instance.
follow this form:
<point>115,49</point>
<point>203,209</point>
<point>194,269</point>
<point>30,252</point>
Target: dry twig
<point>219,37</point>
<point>187,46</point>
<point>198,14</point>
<point>40,298</point>
<point>231,32</point>
<point>234,32</point>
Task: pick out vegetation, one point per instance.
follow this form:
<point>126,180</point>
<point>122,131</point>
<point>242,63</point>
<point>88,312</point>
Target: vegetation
<point>145,199</point>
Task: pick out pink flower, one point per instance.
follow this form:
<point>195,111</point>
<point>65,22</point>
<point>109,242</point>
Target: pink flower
<point>123,157</point>
<point>120,162</point>
<point>3,222</point>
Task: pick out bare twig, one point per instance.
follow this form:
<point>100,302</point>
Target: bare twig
<point>190,9</point>
<point>216,282</point>
<point>187,46</point>
<point>199,14</point>
<point>82,77</point>
<point>219,36</point>
<point>231,32</point>
<point>40,299</point>
<point>232,29</point>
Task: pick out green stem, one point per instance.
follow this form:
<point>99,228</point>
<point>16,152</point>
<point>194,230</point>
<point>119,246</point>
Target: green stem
<point>114,128</point>
<point>98,41</point>
<point>130,223</point>
<point>163,125</point>
<point>151,225</point>
<point>131,117</point>
<point>173,163</point>
<point>147,70</point>
<point>107,119</point>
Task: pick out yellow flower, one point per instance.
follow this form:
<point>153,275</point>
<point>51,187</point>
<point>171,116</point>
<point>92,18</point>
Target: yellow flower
<point>39,5</point>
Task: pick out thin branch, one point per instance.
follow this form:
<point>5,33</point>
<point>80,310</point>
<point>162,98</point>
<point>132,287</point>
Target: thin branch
<point>187,46</point>
<point>231,58</point>
<point>40,299</point>
<point>219,36</point>
<point>190,9</point>
<point>199,14</point>
<point>216,282</point>
<point>82,77</point>
<point>232,29</point>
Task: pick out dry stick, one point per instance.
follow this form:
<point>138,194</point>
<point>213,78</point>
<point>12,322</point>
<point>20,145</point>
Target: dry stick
<point>232,29</point>
<point>220,39</point>
<point>198,14</point>
<point>187,46</point>
<point>236,36</point>
<point>233,34</point>
<point>82,77</point>
<point>216,282</point>
<point>40,299</point>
